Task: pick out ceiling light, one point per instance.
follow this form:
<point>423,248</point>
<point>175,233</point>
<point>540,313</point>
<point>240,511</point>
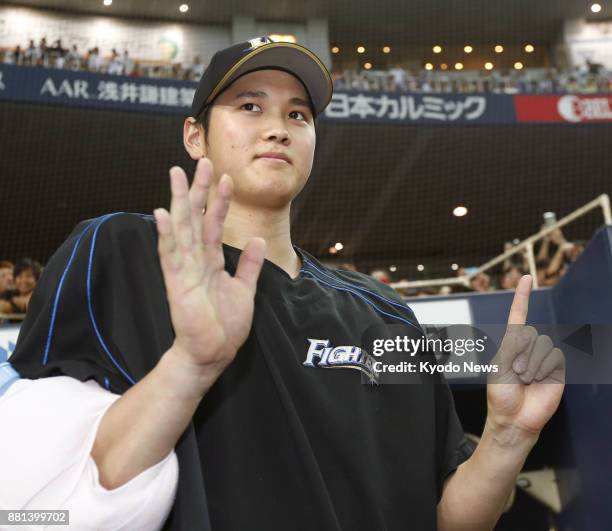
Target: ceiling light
<point>386,49</point>
<point>421,267</point>
<point>393,269</point>
<point>437,49</point>
<point>108,2</point>
<point>367,66</point>
<point>338,246</point>
<point>499,48</point>
<point>488,66</point>
<point>529,48</point>
<point>596,8</point>
<point>360,49</point>
<point>458,66</point>
<point>454,267</point>
<point>183,8</point>
<point>518,65</point>
<point>460,211</point>
<point>335,49</point>
<point>444,66</point>
<point>468,49</point>
<point>428,66</point>
<point>332,250</point>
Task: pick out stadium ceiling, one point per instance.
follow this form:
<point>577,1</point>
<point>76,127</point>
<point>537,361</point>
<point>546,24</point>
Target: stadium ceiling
<point>394,21</point>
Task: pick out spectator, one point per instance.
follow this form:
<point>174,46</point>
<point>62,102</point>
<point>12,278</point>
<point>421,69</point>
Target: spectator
<point>26,273</point>
<point>197,69</point>
<point>510,277</point>
<point>73,58</point>
<point>43,53</point>
<point>573,252</point>
<point>115,64</point>
<point>481,282</point>
<point>445,290</point>
<point>30,56</point>
<point>381,276</point>
<point>57,53</point>
<point>6,276</point>
<point>400,80</point>
<point>14,57</point>
<point>542,265</point>
<point>518,259</point>
<point>426,292</point>
<point>128,64</point>
<point>94,61</point>
<point>462,288</point>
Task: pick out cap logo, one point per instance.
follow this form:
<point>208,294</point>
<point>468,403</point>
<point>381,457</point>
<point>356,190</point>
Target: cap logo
<point>259,41</point>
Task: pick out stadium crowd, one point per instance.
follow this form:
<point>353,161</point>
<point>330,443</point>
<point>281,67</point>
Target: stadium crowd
<point>17,283</point>
<point>589,79</point>
<point>553,258</point>
<point>55,55</point>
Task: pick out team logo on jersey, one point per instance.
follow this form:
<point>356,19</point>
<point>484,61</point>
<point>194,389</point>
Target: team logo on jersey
<point>259,41</point>
<point>322,355</point>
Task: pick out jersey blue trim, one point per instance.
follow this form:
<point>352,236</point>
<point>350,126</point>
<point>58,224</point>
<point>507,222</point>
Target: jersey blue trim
<point>8,376</point>
<point>58,292</point>
<point>373,293</point>
<point>342,288</point>
<point>89,304</point>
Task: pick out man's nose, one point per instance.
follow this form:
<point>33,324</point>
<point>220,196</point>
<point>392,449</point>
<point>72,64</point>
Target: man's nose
<point>277,132</point>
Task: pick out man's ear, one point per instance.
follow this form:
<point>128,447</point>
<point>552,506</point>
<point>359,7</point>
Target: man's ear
<point>193,138</point>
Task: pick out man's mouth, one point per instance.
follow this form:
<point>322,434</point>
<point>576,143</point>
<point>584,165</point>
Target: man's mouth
<point>274,156</point>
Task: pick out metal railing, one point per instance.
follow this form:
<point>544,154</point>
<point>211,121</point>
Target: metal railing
<point>12,317</point>
<point>602,201</point>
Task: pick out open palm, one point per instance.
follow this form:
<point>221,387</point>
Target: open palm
<point>211,310</point>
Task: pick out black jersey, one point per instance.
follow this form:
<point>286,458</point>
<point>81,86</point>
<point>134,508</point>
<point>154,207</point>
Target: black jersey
<point>281,441</point>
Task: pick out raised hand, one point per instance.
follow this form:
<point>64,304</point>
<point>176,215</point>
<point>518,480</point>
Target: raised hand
<point>527,390</point>
<point>211,311</point>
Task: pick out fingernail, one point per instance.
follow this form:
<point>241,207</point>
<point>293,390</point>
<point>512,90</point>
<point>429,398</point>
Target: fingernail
<point>519,365</point>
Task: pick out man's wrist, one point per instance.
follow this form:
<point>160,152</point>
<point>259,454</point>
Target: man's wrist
<point>183,378</point>
<point>509,437</point>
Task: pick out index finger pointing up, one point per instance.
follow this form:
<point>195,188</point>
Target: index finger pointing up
<point>520,304</point>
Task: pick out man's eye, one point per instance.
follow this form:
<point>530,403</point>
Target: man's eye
<point>251,107</point>
<point>298,115</point>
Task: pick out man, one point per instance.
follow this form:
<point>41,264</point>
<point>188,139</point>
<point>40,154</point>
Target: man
<point>6,275</point>
<point>26,274</point>
<point>221,355</point>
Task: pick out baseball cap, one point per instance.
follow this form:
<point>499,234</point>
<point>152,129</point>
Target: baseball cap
<point>261,53</point>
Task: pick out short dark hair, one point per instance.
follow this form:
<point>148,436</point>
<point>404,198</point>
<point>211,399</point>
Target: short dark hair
<point>27,263</point>
<point>204,120</point>
<point>5,264</point>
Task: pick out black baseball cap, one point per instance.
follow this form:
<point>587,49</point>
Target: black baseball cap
<point>262,53</point>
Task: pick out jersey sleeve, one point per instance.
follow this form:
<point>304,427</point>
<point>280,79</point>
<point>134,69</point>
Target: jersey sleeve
<point>452,447</point>
<point>49,428</point>
<point>99,310</point>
